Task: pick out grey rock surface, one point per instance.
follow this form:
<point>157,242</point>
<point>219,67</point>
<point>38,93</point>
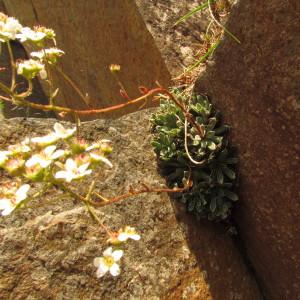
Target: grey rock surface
<point>47,248</point>
<point>178,44</point>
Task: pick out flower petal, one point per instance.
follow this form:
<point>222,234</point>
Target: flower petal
<point>49,150</point>
<point>70,164</point>
<point>135,237</point>
<point>58,128</point>
<point>58,154</point>
<point>44,140</point>
<point>123,237</point>
<point>45,163</point>
<point>83,167</point>
<point>115,270</point>
<point>63,133</point>
<point>108,251</point>
<point>4,156</point>
<point>101,158</point>
<point>32,161</point>
<point>102,269</point>
<point>21,193</point>
<point>97,261</point>
<point>61,174</point>
<point>6,206</point>
<point>117,254</point>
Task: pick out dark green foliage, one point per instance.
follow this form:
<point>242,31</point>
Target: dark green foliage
<point>213,178</point>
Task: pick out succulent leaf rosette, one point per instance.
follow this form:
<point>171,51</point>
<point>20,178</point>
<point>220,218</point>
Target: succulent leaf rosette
<point>181,150</point>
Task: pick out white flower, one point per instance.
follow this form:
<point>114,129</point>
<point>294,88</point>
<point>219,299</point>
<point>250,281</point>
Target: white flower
<point>100,158</point>
<point>9,27</point>
<point>63,133</point>
<point>128,233</point>
<point>30,68</point>
<point>4,155</point>
<point>99,145</point>
<point>45,140</point>
<point>92,147</point>
<point>37,35</point>
<point>73,171</point>
<point>123,235</point>
<point>27,34</point>
<point>108,262</point>
<point>49,55</point>
<point>45,157</point>
<point>22,147</point>
<point>59,133</point>
<point>50,34</point>
<point>8,204</point>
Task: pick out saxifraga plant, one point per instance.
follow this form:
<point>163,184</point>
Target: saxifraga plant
<point>207,159</point>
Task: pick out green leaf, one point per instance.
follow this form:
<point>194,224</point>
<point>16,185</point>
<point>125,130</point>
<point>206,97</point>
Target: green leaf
<point>220,177</point>
<point>230,195</point>
<point>213,204</point>
<point>232,160</point>
<point>199,206</point>
<point>228,172</point>
<point>191,205</point>
<point>210,134</point>
<point>203,58</point>
<point>192,12</point>
<point>156,145</point>
<point>222,129</point>
<point>212,123</point>
<point>201,175</point>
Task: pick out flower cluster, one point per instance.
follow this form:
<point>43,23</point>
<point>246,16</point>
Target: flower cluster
<point>36,65</point>
<point>30,68</point>
<point>36,35</point>
<point>57,158</point>
<point>109,260</point>
<point>11,29</point>
<point>38,159</point>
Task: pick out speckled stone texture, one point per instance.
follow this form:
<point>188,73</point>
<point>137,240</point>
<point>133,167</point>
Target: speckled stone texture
<point>177,44</point>
<point>47,248</point>
<point>256,85</point>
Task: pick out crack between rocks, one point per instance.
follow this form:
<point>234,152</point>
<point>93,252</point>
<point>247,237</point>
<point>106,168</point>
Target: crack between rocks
<point>243,251</point>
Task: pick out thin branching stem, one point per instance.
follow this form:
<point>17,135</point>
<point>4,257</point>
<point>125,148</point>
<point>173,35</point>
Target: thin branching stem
<point>72,84</point>
<point>96,218</point>
<point>132,192</point>
<point>13,66</point>
<point>76,112</point>
<point>116,77</point>
<point>49,78</point>
<point>186,146</point>
<point>91,210</point>
<point>144,190</point>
